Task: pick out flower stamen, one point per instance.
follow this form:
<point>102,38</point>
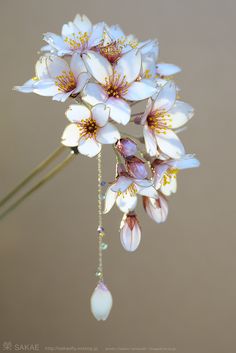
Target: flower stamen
<point>159,121</point>
<point>88,128</point>
<point>77,41</point>
<point>66,81</point>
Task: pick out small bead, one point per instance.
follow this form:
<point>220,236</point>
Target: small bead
<point>100,229</point>
<point>98,273</point>
<point>103,183</point>
<point>103,246</point>
<point>101,234</point>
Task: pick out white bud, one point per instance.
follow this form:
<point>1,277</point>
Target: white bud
<point>101,302</point>
<point>130,232</point>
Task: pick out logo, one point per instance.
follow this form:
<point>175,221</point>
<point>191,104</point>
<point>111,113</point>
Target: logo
<point>7,346</point>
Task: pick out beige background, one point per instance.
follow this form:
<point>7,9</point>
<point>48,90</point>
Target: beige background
<point>178,290</point>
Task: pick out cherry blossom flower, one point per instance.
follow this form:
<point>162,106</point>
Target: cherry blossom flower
<point>156,209</point>
<point>161,116</point>
<point>130,232</point>
<point>124,190</point>
<point>77,36</point>
<point>89,129</point>
<point>54,77</point>
<point>101,302</point>
<point>165,172</point>
<point>117,84</point>
<point>116,43</point>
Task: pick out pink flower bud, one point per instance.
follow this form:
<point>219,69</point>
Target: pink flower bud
<point>130,232</point>
<point>126,147</point>
<point>157,209</point>
<point>136,167</point>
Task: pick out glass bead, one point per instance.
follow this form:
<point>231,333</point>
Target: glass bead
<point>103,246</point>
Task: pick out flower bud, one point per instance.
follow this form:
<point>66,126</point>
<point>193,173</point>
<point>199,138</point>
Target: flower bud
<point>157,209</point>
<point>130,232</point>
<point>101,302</point>
<point>136,167</point>
<point>126,147</point>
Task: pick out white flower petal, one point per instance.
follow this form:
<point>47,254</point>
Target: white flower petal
<point>156,209</point>
<point>164,69</point>
<point>96,35</point>
<point>126,202</point>
<point>147,191</point>
<point>98,66</point>
<point>166,97</point>
<point>170,144</point>
<point>27,87</point>
<point>77,65</point>
<point>41,68</point>
<point>150,141</point>
<point>160,170</point>
<point>130,238</point>
<point>129,65</point>
<point>69,30</point>
<point>93,94</point>
<point>77,112</point>
<point>61,97</point>
<point>56,66</point>
<point>149,47</point>
<point>115,32</point>
<point>82,79</point>
<point>121,184</point>
<point>143,182</point>
<point>71,136</point>
<point>180,113</point>
<point>186,162</point>
<point>110,199</point>
<point>139,91</point>
<point>45,88</point>
<point>83,23</point>
<point>89,147</point>
<point>100,113</point>
<point>148,110</point>
<point>169,188</point>
<point>120,110</point>
<point>55,41</point>
<point>108,134</point>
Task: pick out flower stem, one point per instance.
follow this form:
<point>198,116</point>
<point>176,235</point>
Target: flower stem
<point>46,178</point>
<point>34,172</point>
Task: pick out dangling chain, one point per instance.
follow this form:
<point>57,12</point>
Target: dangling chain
<point>101,245</point>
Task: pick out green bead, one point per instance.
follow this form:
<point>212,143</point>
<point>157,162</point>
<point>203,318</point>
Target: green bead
<point>103,246</point>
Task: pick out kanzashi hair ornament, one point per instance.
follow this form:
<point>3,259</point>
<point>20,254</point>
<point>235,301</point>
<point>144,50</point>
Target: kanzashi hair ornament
<point>102,74</point>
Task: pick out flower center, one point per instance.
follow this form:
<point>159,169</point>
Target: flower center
<point>112,51</point>
<point>88,128</point>
<point>171,173</point>
<point>159,121</point>
<point>116,86</point>
<point>77,40</point>
<point>131,191</point>
<point>66,81</point>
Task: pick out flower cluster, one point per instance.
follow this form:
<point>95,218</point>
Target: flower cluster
<point>105,73</point>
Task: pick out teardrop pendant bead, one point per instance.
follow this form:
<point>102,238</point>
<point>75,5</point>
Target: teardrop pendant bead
<point>101,302</point>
